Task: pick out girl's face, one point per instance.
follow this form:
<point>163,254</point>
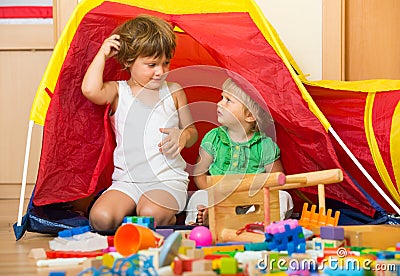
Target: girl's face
<point>230,111</point>
<point>149,72</point>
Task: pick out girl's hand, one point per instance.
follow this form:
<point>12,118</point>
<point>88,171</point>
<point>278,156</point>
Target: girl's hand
<point>110,46</point>
<point>173,143</point>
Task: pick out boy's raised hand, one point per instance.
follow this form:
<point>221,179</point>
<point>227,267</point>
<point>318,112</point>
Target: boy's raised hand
<point>110,46</point>
<point>173,143</point>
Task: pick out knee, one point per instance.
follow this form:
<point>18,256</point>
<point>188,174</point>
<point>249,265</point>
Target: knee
<point>161,217</point>
<point>102,220</point>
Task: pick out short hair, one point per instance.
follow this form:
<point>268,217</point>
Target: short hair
<point>263,118</point>
<point>145,36</point>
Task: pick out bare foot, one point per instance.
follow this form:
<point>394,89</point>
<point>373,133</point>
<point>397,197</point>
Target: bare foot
<point>202,215</point>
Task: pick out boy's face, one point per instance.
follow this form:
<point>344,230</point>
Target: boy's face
<point>230,111</point>
<point>150,72</point>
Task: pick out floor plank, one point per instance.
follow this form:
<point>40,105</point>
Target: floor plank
<point>14,256</point>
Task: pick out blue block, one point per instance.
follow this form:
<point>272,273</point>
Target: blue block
<point>291,240</point>
<point>80,230</point>
<point>57,273</point>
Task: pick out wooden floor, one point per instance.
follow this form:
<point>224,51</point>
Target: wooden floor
<point>14,255</point>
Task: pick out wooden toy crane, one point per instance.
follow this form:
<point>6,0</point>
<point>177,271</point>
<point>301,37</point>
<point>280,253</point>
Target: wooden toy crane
<point>228,192</point>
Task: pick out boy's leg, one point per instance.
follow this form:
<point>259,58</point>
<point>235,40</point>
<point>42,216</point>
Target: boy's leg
<point>286,205</point>
<point>199,198</point>
<point>110,209</point>
<point>202,215</point>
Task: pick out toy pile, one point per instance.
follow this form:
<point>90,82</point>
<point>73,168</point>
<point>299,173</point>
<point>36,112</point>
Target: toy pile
<point>313,245</point>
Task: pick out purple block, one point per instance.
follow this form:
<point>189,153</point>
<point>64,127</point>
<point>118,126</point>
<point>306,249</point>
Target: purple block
<point>165,232</point>
<point>332,233</point>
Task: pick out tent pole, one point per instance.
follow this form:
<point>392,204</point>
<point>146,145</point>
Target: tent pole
<point>364,171</point>
<point>25,172</point>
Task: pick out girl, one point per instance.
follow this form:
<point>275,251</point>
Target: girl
<point>236,147</point>
<point>151,121</point>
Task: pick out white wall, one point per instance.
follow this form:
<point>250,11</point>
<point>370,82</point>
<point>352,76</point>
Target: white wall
<point>299,25</point>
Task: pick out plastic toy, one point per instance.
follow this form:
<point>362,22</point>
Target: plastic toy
<point>170,249</point>
<point>290,239</point>
<point>60,262</point>
<point>165,232</point>
<point>311,219</point>
<point>228,266</point>
<point>142,221</point>
<point>74,231</point>
<point>209,250</point>
<point>332,233</point>
<point>130,238</point>
<point>72,254</point>
<point>135,264</point>
<point>78,239</point>
<point>201,235</point>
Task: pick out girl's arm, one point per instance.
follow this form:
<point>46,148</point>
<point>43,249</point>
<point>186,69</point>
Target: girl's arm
<point>189,134</point>
<point>200,173</point>
<point>93,87</point>
<point>275,166</point>
<point>186,135</point>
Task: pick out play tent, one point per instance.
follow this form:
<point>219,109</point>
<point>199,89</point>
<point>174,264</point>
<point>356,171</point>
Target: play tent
<point>76,159</point>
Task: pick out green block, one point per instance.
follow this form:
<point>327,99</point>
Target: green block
<point>228,266</point>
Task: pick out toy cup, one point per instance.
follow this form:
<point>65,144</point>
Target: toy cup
<point>130,238</point>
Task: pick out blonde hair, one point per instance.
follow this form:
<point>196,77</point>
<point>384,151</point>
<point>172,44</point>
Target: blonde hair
<point>263,118</point>
<point>145,36</point>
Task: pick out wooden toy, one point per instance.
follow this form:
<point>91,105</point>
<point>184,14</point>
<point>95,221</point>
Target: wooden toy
<point>227,192</point>
<point>230,191</point>
<point>202,265</point>
<point>37,253</point>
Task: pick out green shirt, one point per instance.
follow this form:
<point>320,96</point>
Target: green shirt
<point>230,157</point>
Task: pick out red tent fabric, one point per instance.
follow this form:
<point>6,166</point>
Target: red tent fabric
<point>345,110</point>
<point>76,158</point>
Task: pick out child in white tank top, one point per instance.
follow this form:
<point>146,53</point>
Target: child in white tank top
<point>151,121</point>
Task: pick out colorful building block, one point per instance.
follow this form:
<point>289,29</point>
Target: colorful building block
<point>208,250</point>
<point>195,253</point>
<point>228,266</point>
<point>202,265</point>
<point>37,253</point>
<point>165,232</point>
<point>142,221</point>
<point>181,266</point>
<point>311,219</point>
<point>332,233</point>
<point>291,240</point>
<point>73,254</point>
<point>73,231</point>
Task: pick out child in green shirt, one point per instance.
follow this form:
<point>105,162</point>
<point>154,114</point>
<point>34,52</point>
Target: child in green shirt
<point>236,147</point>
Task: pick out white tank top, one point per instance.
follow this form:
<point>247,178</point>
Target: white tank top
<point>136,125</point>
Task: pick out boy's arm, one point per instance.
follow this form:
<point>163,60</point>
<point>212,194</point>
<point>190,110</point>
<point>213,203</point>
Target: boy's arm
<point>201,169</point>
<point>274,167</point>
<point>93,86</point>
